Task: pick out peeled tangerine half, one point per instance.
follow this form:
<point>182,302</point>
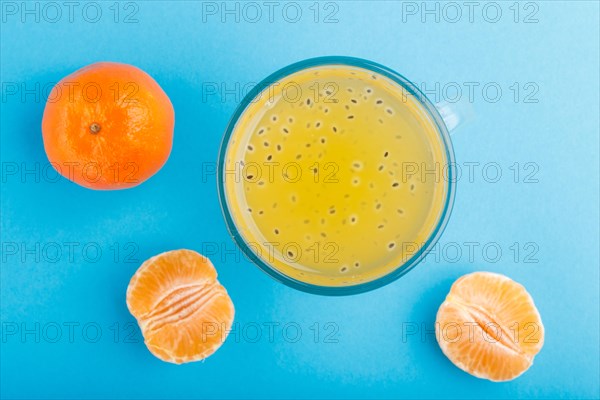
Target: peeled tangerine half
<point>183,311</point>
<point>489,326</point>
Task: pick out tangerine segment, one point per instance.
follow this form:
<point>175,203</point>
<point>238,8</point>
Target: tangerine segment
<point>183,311</point>
<point>489,326</point>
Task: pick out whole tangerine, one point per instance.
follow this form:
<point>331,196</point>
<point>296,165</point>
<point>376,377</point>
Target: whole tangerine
<point>108,126</point>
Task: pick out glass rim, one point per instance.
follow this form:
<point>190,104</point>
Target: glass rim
<point>401,269</point>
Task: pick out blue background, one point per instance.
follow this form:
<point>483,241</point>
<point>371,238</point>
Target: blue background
<point>370,351</point>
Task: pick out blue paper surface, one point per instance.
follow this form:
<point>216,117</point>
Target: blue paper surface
<point>529,189</point>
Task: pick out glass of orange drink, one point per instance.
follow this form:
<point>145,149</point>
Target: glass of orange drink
<point>336,175</point>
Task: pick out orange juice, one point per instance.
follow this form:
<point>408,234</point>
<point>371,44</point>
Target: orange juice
<point>324,175</point>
